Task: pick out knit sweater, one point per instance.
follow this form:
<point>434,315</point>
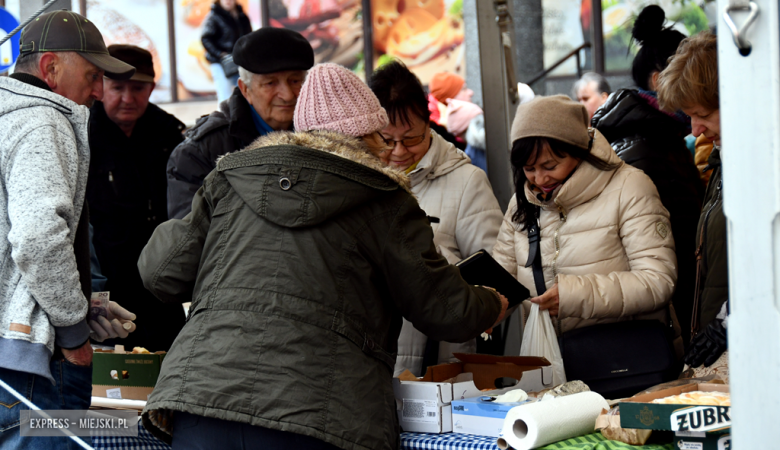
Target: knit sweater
<point>44,161</point>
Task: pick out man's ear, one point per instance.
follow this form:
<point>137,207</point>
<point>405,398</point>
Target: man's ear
<point>48,68</point>
<point>243,88</point>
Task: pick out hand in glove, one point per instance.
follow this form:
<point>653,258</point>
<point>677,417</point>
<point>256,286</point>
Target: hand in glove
<point>708,345</point>
<point>118,325</point>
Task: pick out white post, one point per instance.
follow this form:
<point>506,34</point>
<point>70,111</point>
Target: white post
<point>750,129</point>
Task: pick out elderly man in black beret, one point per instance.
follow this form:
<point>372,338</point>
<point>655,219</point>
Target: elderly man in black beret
<point>272,67</point>
<point>130,141</point>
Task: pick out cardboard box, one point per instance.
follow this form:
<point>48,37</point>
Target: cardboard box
<point>121,375</point>
<point>423,404</point>
<point>691,440</point>
<point>481,417</point>
<point>640,412</point>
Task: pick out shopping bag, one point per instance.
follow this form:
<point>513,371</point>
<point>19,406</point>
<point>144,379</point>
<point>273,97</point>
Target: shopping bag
<point>539,339</point>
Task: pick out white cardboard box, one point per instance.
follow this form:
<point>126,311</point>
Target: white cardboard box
<point>484,418</point>
<point>423,405</point>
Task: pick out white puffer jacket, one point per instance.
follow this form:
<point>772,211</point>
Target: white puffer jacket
<point>607,242</point>
<point>457,193</point>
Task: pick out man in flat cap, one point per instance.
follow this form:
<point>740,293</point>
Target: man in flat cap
<point>45,277</point>
<point>130,141</point>
<point>272,67</point>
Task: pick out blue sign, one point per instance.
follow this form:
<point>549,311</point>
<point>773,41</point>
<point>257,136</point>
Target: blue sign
<point>10,50</point>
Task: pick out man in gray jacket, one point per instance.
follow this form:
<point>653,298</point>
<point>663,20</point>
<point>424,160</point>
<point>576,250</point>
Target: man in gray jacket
<point>45,352</point>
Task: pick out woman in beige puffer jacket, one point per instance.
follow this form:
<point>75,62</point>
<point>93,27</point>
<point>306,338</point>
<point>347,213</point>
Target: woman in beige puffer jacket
<point>606,245</point>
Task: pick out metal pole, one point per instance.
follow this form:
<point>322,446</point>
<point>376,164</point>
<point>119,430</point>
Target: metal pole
<point>498,113</point>
<point>368,40</point>
<point>596,36</point>
<point>30,19</point>
<point>529,41</point>
<point>749,115</point>
<point>174,78</point>
<point>265,14</point>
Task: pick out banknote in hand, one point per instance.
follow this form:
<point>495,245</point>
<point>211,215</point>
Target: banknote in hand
<point>98,306</point>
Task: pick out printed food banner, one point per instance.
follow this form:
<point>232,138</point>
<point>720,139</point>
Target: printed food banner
<point>192,68</point>
<point>334,28</point>
<point>138,22</point>
<point>427,35</point>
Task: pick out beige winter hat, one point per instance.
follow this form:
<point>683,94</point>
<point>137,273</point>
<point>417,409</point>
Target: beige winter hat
<point>556,116</point>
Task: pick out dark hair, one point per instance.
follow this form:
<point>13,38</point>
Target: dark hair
<point>400,92</point>
<point>658,44</point>
<point>522,151</point>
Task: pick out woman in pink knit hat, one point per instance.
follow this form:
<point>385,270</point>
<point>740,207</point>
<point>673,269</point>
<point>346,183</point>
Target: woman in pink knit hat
<point>301,256</point>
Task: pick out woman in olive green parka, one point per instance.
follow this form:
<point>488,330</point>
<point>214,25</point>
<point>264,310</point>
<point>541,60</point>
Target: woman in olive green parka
<point>301,256</point>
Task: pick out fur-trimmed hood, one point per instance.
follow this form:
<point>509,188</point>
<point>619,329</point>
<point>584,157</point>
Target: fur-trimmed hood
<point>326,173</point>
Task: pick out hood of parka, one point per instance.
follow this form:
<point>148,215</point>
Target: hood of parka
<point>627,114</point>
<point>302,179</point>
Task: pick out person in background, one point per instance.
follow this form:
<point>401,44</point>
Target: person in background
<point>223,27</point>
<point>456,195</point>
<point>466,121</point>
<point>273,64</point>
<point>690,83</point>
<point>592,90</point>
<point>443,87</point>
<point>298,293</point>
<point>45,353</point>
<point>130,141</point>
<point>654,141</point>
<point>606,247</point>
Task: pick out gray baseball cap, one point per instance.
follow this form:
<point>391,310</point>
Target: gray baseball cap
<point>66,31</point>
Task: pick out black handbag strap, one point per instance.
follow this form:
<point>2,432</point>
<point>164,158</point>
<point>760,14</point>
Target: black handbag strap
<point>535,256</point>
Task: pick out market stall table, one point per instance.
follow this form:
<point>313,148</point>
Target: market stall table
<point>409,441</point>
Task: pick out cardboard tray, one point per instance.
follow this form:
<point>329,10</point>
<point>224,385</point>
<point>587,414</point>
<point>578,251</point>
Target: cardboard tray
<point>486,369</point>
<point>121,375</point>
<point>640,412</point>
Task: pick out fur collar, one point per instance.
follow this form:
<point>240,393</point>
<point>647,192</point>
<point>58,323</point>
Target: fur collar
<point>337,144</point>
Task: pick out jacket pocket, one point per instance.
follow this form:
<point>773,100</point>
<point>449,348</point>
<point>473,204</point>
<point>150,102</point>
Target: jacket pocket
<point>365,341</point>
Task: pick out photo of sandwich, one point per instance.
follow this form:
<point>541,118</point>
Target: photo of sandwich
<point>426,35</point>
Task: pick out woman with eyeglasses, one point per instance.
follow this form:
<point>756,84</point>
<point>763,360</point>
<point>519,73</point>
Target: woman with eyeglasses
<point>456,195</point>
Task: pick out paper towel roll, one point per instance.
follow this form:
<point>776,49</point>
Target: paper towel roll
<point>545,422</point>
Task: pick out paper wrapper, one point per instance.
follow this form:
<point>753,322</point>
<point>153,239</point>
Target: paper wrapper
<point>609,425</point>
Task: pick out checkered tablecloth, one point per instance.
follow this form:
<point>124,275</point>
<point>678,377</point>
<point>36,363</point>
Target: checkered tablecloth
<point>456,441</point>
<point>144,441</point>
<point>447,441</point>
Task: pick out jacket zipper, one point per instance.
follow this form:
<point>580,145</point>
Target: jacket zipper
<point>562,217</point>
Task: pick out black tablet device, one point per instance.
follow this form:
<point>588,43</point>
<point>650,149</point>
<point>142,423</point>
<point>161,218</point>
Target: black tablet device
<point>481,269</point>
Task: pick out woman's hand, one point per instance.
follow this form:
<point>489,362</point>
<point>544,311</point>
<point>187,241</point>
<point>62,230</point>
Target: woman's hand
<point>548,300</point>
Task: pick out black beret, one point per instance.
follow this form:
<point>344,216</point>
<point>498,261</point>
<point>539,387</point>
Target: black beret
<point>269,50</point>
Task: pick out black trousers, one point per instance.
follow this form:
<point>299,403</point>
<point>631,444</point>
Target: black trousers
<point>191,432</point>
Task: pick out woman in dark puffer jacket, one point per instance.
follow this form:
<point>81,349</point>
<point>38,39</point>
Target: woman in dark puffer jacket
<point>224,25</point>
<point>654,141</point>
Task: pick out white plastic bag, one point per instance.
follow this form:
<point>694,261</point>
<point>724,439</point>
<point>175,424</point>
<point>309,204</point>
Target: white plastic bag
<point>539,339</point>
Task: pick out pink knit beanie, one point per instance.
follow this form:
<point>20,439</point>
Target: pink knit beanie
<point>335,99</point>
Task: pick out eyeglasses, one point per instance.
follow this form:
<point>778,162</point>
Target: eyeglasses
<point>406,142</point>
